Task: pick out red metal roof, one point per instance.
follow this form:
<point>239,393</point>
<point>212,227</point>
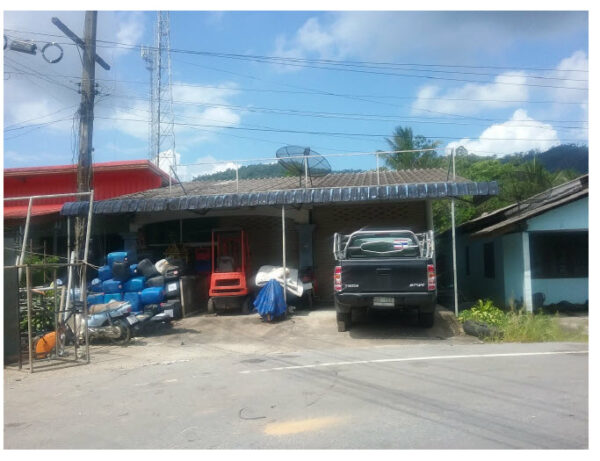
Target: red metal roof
<point>110,179</point>
<point>98,167</point>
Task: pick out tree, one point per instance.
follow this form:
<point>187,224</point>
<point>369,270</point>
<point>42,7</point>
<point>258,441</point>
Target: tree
<point>404,140</point>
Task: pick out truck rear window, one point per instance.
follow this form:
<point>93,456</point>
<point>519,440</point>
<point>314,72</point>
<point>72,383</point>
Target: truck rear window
<point>383,245</point>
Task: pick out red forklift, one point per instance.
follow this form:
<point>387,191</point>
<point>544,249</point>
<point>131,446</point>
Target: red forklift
<point>229,271</point>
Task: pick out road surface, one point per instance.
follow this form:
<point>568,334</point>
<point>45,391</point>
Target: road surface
<point>395,395</point>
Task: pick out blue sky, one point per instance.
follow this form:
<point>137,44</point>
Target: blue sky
<point>494,82</point>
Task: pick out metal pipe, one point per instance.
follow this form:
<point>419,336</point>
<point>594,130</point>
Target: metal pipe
<point>305,170</point>
<point>25,235</point>
<point>84,275</point>
<point>178,180</point>
<point>29,326</point>
<point>348,154</point>
<point>70,194</point>
<point>88,231</point>
<point>454,242</point>
<point>68,237</point>
<point>54,275</point>
<point>377,166</point>
<point>69,282</point>
<point>283,250</point>
<point>237,178</point>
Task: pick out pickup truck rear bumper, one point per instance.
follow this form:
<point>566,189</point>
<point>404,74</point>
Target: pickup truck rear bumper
<point>424,301</point>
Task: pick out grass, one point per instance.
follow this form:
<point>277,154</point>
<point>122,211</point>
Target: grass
<point>525,327</point>
<point>519,326</point>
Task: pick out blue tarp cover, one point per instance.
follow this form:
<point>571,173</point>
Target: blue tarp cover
<point>270,300</point>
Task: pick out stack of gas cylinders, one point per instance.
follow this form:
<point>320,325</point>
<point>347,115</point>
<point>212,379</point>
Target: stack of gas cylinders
<point>150,288</point>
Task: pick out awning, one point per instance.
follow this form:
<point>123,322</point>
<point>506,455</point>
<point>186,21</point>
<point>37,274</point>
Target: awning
<point>308,196</point>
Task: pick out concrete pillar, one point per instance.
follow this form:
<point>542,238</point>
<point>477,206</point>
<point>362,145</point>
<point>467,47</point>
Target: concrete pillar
<point>305,233</point>
<point>130,244</point>
<point>527,295</point>
<point>429,214</point>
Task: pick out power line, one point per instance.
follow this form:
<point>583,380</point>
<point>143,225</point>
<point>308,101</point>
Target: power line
<point>9,127</point>
<point>331,61</point>
<point>349,116</point>
<point>319,92</point>
<point>37,74</point>
<point>337,95</point>
<point>330,133</point>
<point>285,62</point>
<point>33,128</point>
<point>351,66</point>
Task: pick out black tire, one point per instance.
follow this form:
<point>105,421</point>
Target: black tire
<point>210,306</point>
<point>125,335</point>
<point>246,305</point>
<point>343,321</point>
<point>425,319</point>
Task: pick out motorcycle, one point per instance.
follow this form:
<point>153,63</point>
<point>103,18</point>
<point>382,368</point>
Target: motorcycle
<point>148,322</point>
<point>114,322</point>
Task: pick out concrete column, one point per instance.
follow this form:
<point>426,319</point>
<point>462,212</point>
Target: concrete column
<point>429,214</point>
<point>527,296</point>
<point>130,244</point>
<point>305,234</point>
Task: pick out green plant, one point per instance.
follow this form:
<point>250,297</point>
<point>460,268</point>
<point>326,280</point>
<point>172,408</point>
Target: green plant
<point>527,327</point>
<point>485,312</point>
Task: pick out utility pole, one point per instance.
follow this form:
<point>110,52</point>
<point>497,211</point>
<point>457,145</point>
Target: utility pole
<point>86,108</point>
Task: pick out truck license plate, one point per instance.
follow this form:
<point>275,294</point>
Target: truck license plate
<point>384,302</point>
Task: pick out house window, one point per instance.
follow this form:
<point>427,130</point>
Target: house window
<point>489,263</point>
<point>559,254</point>
<point>467,261</point>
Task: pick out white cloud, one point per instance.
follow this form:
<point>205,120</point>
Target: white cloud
<point>205,165</point>
<point>443,35</point>
<point>130,30</point>
<point>29,97</point>
<point>577,61</point>
<point>202,108</point>
<point>519,134</point>
<point>472,98</point>
<point>132,117</point>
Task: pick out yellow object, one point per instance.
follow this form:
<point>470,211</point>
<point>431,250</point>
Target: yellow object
<point>45,345</point>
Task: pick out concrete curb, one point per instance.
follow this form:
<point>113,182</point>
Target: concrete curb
<point>447,322</point>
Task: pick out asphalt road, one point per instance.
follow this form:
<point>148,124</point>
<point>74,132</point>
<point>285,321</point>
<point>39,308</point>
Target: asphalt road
<point>425,394</point>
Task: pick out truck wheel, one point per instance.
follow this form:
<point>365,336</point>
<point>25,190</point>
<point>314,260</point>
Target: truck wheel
<point>210,306</point>
<point>426,319</point>
<point>343,321</point>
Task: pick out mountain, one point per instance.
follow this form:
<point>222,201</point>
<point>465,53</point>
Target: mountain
<point>563,157</point>
<point>260,170</point>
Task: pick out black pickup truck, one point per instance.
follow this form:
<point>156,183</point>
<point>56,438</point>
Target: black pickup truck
<point>384,269</point>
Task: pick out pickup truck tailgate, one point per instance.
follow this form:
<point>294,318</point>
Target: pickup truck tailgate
<point>384,275</point>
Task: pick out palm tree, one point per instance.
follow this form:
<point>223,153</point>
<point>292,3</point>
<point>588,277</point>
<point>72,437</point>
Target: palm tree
<point>404,140</point>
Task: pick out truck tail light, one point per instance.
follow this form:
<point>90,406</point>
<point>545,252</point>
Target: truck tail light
<point>337,278</point>
<point>430,277</point>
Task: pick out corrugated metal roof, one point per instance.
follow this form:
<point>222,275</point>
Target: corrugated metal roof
<point>159,200</point>
<point>122,165</point>
<point>505,219</point>
<point>366,178</point>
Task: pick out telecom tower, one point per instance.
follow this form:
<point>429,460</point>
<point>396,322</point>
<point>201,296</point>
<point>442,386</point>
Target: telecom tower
<point>158,62</point>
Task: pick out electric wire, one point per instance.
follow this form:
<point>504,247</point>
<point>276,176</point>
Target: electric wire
<point>331,61</point>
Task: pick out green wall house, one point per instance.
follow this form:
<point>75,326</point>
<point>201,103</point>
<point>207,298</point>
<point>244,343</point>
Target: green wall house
<point>528,254</point>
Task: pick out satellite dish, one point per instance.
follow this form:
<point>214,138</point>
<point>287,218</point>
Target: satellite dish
<point>303,162</point>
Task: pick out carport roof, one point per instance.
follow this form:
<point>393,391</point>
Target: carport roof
<point>332,188</point>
